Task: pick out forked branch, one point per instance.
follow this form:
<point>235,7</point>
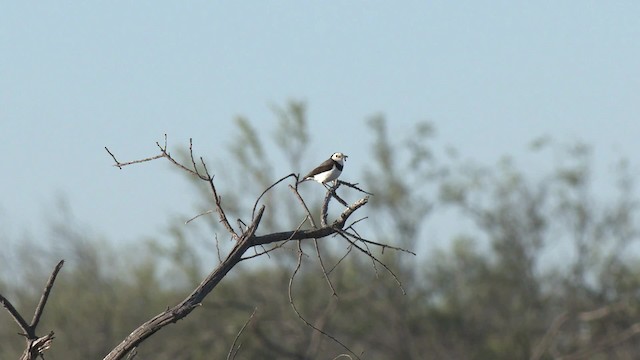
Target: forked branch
<point>36,345</point>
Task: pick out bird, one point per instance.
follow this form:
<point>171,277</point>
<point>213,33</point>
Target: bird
<point>328,171</point>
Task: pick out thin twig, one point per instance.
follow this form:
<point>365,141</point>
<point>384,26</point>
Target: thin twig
<point>354,187</point>
<point>324,270</point>
<point>255,205</point>
<point>323,223</point>
<point>218,248</point>
<point>233,349</point>
<point>166,154</point>
<point>383,246</point>
<point>193,161</point>
<point>197,216</point>
<point>368,253</point>
<point>304,205</point>
<point>217,200</point>
<point>342,258</point>
<point>119,165</point>
<point>295,309</point>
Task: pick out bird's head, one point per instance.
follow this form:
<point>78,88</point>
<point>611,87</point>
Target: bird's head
<point>339,157</point>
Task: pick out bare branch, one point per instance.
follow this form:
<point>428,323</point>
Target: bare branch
<point>349,249</point>
<point>375,259</point>
<point>383,246</point>
<point>255,205</point>
<point>16,316</point>
<point>197,216</point>
<point>45,295</point>
<point>35,345</point>
<point>193,161</point>
<point>353,186</point>
<point>246,238</point>
<point>304,205</point>
<point>168,156</point>
<point>119,165</point>
<point>295,309</point>
<point>281,244</point>
<point>324,270</point>
<point>193,300</point>
<point>314,233</point>
<point>315,240</point>
<point>218,201</point>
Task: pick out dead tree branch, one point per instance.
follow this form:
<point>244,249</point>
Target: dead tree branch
<point>35,345</point>
<point>245,239</point>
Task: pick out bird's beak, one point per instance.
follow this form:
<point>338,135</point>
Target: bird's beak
<point>345,157</point>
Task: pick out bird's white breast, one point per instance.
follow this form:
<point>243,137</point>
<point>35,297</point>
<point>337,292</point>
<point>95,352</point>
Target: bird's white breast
<point>327,175</point>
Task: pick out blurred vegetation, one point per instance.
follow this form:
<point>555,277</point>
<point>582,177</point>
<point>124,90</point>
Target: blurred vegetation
<point>541,264</point>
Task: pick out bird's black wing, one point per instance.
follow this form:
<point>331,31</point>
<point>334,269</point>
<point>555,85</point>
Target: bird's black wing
<point>325,166</point>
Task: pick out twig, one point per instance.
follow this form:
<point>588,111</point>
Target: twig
<point>342,258</point>
<point>166,154</point>
<point>193,161</point>
<point>197,216</point>
<point>353,186</point>
<point>45,295</point>
<point>255,205</point>
<point>332,192</point>
<point>15,315</point>
<point>295,309</point>
<point>323,222</point>
<point>368,253</point>
<point>233,349</point>
<point>217,200</point>
<point>324,270</point>
<point>304,205</point>
<point>119,165</point>
<point>383,246</point>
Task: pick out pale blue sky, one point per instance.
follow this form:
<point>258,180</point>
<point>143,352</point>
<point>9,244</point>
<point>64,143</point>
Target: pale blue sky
<point>491,76</point>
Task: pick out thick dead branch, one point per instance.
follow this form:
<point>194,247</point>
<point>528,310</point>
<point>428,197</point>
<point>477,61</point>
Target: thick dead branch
<point>192,301</point>
<point>313,233</point>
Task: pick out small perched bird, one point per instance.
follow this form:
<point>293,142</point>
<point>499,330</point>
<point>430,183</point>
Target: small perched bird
<point>328,170</point>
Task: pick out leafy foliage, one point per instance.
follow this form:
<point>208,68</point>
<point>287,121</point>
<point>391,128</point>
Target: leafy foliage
<point>544,267</point>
